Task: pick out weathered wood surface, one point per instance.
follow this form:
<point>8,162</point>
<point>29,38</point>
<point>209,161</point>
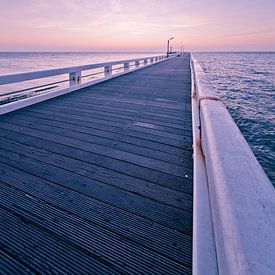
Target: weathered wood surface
<point>100,180</point>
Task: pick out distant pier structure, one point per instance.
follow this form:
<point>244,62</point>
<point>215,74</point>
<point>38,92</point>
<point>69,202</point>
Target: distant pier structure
<point>138,171</point>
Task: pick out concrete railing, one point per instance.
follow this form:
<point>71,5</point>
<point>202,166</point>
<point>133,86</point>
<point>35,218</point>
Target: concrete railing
<point>106,70</point>
<point>234,201</point>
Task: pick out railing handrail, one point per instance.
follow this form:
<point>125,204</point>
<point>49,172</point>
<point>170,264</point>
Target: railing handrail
<point>27,96</point>
<point>242,199</point>
<point>19,77</point>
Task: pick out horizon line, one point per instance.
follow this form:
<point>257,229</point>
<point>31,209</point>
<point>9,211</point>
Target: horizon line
<point>121,51</point>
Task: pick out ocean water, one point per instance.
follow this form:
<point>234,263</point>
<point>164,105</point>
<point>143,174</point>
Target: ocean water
<point>245,84</point>
<point>244,81</point>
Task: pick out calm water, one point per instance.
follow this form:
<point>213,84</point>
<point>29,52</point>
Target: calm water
<point>245,83</point>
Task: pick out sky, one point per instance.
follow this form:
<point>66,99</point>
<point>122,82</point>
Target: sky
<point>137,25</point>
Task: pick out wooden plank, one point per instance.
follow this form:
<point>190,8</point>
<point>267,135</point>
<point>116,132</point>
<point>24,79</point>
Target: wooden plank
<point>109,131</point>
<point>170,181</point>
<point>101,111</point>
<point>90,238</point>
<point>105,173</point>
<point>130,226</point>
<point>100,153</point>
<point>170,120</point>
<point>118,118</point>
<point>44,253</point>
<point>98,137</point>
<point>8,265</point>
<point>109,126</point>
<point>136,186</point>
<point>163,214</point>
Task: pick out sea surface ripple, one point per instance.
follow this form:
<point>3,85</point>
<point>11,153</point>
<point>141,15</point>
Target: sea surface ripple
<point>245,84</point>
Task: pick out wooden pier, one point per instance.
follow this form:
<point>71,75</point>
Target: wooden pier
<point>99,181</point>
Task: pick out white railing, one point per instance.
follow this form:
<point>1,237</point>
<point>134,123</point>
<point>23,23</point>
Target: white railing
<point>234,201</point>
<point>204,251</point>
<point>104,71</point>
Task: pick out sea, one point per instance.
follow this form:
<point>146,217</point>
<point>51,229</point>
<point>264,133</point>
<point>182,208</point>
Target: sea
<point>243,80</point>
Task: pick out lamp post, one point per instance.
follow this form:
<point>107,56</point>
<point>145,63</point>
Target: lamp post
<point>168,45</point>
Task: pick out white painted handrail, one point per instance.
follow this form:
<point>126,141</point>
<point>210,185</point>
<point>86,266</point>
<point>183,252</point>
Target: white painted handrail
<point>240,196</point>
<point>204,249</point>
<point>74,79</point>
<point>14,78</point>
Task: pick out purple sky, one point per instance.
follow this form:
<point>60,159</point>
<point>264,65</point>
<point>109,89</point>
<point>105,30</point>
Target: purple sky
<point>141,25</point>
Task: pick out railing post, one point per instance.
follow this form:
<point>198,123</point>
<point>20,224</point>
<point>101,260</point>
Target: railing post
<point>107,70</point>
<point>136,64</point>
<point>145,61</point>
<point>152,60</point>
<point>126,66</point>
<point>75,78</point>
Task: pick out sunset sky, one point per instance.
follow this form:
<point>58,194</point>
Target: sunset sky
<point>137,25</point>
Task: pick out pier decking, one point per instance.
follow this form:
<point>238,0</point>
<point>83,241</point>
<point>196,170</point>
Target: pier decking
<point>99,181</point>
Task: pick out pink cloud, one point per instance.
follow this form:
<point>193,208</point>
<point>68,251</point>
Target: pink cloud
<point>137,25</point>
